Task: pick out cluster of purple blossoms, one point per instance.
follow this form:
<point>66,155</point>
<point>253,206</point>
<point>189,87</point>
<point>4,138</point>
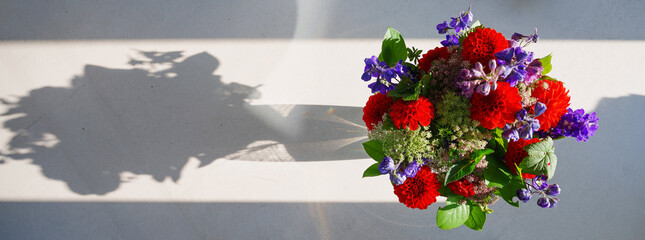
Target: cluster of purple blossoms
<point>576,124</point>
<point>458,23</point>
<point>477,80</point>
<point>398,173</point>
<point>520,65</point>
<point>383,74</point>
<point>539,185</point>
<point>526,124</point>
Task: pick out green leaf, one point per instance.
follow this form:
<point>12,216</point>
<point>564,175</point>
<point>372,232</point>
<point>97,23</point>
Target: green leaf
<point>541,159</point>
<point>372,171</point>
<point>465,167</point>
<point>406,90</point>
<point>393,48</point>
<point>476,219</point>
<point>458,171</point>
<point>498,143</point>
<point>496,172</point>
<point>480,153</point>
<point>374,149</point>
<point>546,64</point>
<point>452,215</point>
<point>509,190</point>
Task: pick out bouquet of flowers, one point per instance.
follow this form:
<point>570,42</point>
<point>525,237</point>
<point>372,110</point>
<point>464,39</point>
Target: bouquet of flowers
<point>472,121</point>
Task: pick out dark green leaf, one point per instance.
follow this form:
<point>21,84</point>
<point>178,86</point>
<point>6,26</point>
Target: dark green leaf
<point>393,48</point>
<point>372,171</point>
<point>546,64</point>
<point>406,90</point>
<point>374,149</point>
<point>496,172</point>
<point>452,215</point>
<point>498,143</point>
<point>476,219</point>
<point>465,167</point>
<point>478,154</point>
<point>509,190</point>
<point>541,159</point>
<point>458,171</point>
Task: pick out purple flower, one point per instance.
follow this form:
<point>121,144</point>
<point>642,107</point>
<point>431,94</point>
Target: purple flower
<point>411,170</point>
<point>539,109</point>
<point>539,182</point>
<point>553,190</point>
<point>523,194</point>
<point>451,40</point>
<point>443,27</point>
<point>533,71</point>
<point>383,74</point>
<point>577,124</point>
<point>511,134</point>
<point>386,165</point>
<point>553,202</point>
<point>397,178</point>
<point>543,202</point>
<point>521,114</point>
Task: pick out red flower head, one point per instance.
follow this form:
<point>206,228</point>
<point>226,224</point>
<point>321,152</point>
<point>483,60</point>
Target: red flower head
<point>377,105</point>
<point>556,98</point>
<point>435,54</point>
<point>412,113</point>
<point>482,44</point>
<point>419,191</point>
<point>462,188</point>
<point>516,153</point>
<point>496,109</point>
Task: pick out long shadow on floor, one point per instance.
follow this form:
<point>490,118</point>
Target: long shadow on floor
<point>152,118</point>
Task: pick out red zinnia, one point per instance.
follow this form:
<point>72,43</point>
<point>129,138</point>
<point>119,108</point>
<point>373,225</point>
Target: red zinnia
<point>412,113</point>
<point>419,191</point>
<point>462,188</point>
<point>496,109</point>
<point>516,153</point>
<point>556,98</point>
<point>377,105</point>
<point>482,44</point>
<point>435,54</point>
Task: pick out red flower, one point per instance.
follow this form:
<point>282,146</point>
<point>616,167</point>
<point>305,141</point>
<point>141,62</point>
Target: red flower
<point>516,153</point>
<point>412,113</point>
<point>377,105</point>
<point>482,44</point>
<point>435,54</point>
<point>496,109</point>
<point>462,188</point>
<point>419,191</point>
<point>556,98</point>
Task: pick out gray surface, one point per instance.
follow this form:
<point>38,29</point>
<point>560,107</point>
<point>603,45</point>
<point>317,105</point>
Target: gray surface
<point>167,19</point>
<point>601,199</point>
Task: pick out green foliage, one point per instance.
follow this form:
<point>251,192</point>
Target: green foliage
<point>414,54</point>
<point>509,189</point>
<point>476,219</point>
<point>452,215</point>
<point>496,173</point>
<point>406,89</point>
<point>541,159</point>
<point>546,64</point>
<point>466,166</point>
<point>372,171</point>
<point>393,48</point>
<point>498,144</point>
<point>374,148</point>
